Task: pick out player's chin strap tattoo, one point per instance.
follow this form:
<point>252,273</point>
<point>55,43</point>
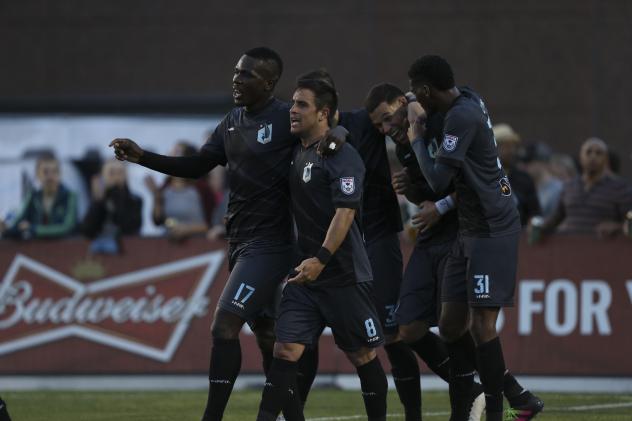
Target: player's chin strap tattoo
<point>332,141</point>
<point>437,174</point>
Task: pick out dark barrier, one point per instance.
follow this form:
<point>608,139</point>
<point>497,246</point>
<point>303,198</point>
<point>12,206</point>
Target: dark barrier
<point>149,310</point>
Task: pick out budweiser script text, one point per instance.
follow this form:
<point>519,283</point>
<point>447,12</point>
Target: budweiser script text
<point>17,305</point>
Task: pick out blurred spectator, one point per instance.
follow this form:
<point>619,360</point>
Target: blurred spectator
<point>49,212</point>
<point>114,210</point>
<point>522,184</point>
<point>595,201</point>
<point>183,206</point>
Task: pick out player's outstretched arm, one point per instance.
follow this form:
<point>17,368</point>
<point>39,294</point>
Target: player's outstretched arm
<point>437,174</point>
<point>193,166</point>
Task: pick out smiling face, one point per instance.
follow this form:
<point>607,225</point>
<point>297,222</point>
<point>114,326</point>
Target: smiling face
<point>382,115</point>
<point>252,82</point>
<point>305,118</point>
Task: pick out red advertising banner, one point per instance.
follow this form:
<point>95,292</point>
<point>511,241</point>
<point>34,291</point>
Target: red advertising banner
<point>149,310</point>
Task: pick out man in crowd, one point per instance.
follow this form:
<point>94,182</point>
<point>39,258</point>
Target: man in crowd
<point>48,212</point>
<point>523,187</point>
<point>480,272</point>
<point>255,143</point>
<point>332,285</point>
<point>596,201</point>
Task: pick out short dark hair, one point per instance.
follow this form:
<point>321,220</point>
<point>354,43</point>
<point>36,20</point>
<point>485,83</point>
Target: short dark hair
<point>324,95</point>
<point>319,74</point>
<point>267,54</point>
<point>434,70</point>
<point>383,92</point>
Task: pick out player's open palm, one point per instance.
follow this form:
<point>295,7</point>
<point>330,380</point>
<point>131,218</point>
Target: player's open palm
<point>126,150</point>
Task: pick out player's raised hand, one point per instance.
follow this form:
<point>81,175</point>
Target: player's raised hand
<point>427,217</point>
<point>126,150</point>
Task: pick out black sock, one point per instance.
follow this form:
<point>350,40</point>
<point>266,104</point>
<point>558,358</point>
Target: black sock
<point>307,368</point>
<point>461,368</point>
<point>293,408</point>
<point>514,392</point>
<point>374,387</point>
<point>277,389</point>
<point>491,370</point>
<point>405,372</point>
<point>433,351</point>
<point>223,370</point>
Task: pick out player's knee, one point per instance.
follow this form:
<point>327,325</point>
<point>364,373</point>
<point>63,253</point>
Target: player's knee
<point>362,356</point>
<point>414,331</point>
<point>483,326</point>
<point>226,325</point>
<point>451,329</point>
<point>288,352</point>
<point>264,333</point>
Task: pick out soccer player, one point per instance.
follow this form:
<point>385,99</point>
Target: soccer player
<point>481,269</point>
<point>254,139</point>
<point>332,285</point>
<point>420,294</point>
<point>380,224</point>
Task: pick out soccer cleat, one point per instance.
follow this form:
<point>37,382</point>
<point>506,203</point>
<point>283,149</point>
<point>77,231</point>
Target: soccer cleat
<point>468,406</point>
<point>525,406</point>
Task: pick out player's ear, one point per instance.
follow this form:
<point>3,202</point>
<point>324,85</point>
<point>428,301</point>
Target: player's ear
<point>270,84</point>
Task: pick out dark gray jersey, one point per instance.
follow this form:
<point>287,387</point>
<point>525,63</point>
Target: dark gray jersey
<point>318,187</point>
<point>484,202</point>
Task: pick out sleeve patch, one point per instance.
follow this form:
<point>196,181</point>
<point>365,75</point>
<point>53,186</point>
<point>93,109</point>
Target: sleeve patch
<point>347,185</point>
<point>450,142</point>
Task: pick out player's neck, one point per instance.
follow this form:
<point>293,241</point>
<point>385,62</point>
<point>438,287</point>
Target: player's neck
<point>447,99</point>
<point>314,136</point>
<point>258,106</point>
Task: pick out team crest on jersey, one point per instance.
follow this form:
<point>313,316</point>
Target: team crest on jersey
<point>307,172</point>
<point>264,135</point>
<point>347,184</point>
<point>449,142</point>
<point>505,187</point>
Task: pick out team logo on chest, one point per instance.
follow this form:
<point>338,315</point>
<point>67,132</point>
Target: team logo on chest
<point>347,184</point>
<point>307,172</point>
<point>264,135</point>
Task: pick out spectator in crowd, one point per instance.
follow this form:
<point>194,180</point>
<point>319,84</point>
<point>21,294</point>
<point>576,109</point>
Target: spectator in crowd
<point>594,202</point>
<point>183,206</point>
<point>522,184</point>
<point>48,212</point>
<point>114,210</point>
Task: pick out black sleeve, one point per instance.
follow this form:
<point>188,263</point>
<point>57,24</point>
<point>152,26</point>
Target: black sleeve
<point>346,178</point>
<point>438,175</point>
<point>210,155</point>
<point>459,130</point>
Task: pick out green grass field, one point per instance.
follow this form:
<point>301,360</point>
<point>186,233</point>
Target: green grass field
<point>324,404</point>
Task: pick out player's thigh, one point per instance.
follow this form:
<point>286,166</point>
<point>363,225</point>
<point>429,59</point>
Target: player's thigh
<point>254,282</point>
<point>454,282</point>
<point>386,264</point>
<point>300,320</point>
<point>491,275</point>
<point>351,314</point>
<point>417,299</point>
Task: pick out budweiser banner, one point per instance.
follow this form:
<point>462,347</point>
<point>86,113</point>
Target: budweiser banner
<point>149,310</point>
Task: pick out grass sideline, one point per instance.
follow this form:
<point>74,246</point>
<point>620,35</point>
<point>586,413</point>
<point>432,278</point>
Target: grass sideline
<point>323,403</point>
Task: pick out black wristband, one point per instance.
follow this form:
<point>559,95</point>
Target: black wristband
<point>323,255</point>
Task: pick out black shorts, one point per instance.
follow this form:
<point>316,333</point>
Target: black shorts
<point>257,271</point>
<point>482,271</point>
<point>348,311</point>
<point>385,257</point>
<point>420,297</point>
